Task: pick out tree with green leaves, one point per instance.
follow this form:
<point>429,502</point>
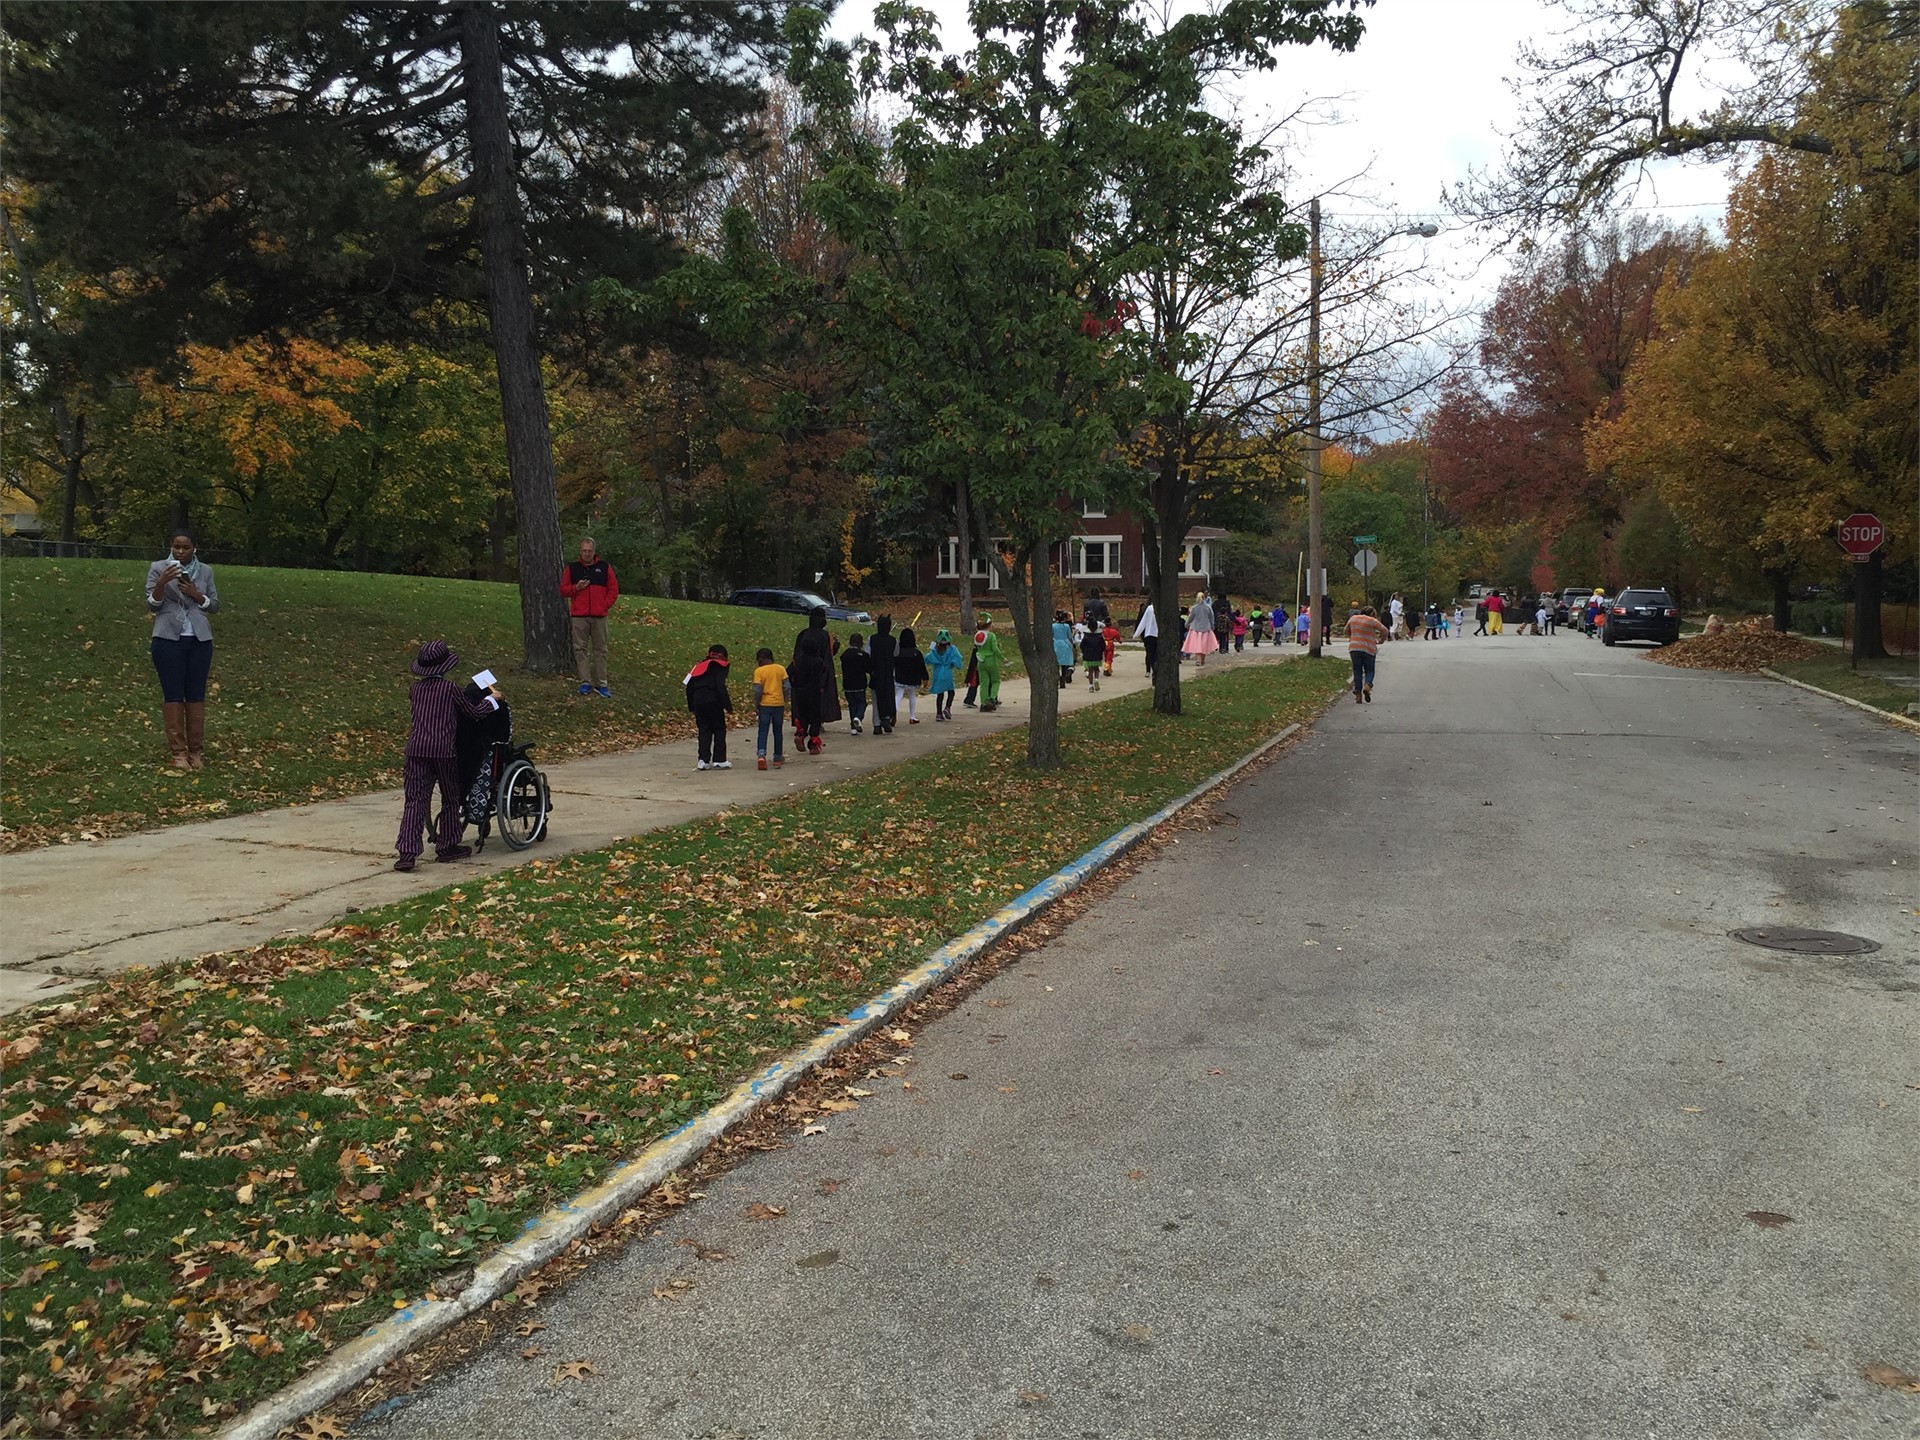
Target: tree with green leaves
<point>1023,193</point>
<point>224,171</point>
<point>971,307</point>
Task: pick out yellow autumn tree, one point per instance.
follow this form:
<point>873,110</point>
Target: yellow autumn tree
<point>1778,394</point>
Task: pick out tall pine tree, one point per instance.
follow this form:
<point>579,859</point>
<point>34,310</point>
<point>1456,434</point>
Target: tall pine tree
<point>224,170</point>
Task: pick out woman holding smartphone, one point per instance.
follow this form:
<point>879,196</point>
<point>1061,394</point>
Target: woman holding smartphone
<point>181,595</point>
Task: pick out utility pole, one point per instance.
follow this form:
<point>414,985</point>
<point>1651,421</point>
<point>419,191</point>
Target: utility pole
<point>1426,541</point>
<point>1315,562</point>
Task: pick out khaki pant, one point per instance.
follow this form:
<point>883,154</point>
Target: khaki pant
<point>590,649</point>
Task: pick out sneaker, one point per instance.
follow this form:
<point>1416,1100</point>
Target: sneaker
<point>604,693</point>
<point>856,727</point>
<point>700,765</point>
<point>723,764</point>
<point>585,690</point>
<point>762,762</point>
<point>403,864</point>
<point>1368,692</point>
<point>778,762</point>
<point>913,720</point>
<point>458,852</point>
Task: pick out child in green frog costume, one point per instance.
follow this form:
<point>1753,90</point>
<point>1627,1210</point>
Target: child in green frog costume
<point>986,650</point>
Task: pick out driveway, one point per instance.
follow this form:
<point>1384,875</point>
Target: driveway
<point>1424,1094</point>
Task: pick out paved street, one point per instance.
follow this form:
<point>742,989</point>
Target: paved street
<point>82,910</point>
<point>1423,1095</point>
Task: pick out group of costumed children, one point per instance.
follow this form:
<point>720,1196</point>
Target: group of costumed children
<point>887,670</point>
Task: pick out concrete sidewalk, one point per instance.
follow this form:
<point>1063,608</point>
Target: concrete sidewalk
<point>77,911</point>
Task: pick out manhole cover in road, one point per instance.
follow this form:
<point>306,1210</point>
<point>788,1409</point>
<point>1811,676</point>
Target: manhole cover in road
<point>1805,942</point>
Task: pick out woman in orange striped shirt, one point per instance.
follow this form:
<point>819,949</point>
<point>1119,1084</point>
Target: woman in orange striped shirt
<point>1364,634</point>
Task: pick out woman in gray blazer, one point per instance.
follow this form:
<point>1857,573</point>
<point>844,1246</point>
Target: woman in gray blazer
<point>181,595</point>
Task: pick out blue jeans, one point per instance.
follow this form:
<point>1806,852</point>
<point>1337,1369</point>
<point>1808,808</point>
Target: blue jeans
<point>771,719</point>
<point>182,666</point>
<point>1362,669</point>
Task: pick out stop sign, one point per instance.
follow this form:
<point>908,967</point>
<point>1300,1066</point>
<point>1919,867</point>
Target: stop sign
<point>1860,534</point>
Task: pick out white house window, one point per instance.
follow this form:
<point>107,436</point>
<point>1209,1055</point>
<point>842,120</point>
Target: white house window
<point>1097,557</point>
<point>981,568</point>
<point>1090,510</point>
<point>1193,559</point>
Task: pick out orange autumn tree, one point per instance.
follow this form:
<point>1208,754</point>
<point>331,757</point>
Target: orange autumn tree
<point>293,450</point>
<point>1778,396</point>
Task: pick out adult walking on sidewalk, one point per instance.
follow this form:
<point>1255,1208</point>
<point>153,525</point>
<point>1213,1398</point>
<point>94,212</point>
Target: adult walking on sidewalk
<point>432,756</point>
<point>1147,631</point>
<point>591,591</point>
<point>1365,634</point>
<point>181,594</point>
<point>816,698</point>
<point>1201,641</point>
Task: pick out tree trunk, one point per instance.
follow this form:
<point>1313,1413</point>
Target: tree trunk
<point>1782,581</point>
<point>963,551</point>
<point>523,396</point>
<point>1315,561</point>
<point>1030,601</point>
<point>497,537</point>
<point>1165,529</point>
<point>73,445</point>
<point>1867,641</point>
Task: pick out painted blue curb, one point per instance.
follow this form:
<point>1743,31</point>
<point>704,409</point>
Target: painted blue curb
<point>545,1235</point>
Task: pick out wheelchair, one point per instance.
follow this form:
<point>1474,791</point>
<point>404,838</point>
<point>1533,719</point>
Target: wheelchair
<point>502,785</point>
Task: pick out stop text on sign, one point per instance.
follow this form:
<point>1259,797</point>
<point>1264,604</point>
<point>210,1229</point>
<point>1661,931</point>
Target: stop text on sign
<point>1860,534</point>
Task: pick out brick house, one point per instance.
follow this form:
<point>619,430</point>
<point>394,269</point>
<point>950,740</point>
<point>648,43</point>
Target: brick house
<point>1108,550</point>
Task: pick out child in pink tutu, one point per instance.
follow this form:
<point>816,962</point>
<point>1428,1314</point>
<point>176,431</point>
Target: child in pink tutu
<point>1200,641</point>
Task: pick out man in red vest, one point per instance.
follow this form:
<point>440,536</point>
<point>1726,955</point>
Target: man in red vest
<point>591,590</point>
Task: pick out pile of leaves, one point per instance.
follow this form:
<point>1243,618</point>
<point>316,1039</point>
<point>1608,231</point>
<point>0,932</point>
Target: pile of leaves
<point>219,1170</point>
<point>1748,648</point>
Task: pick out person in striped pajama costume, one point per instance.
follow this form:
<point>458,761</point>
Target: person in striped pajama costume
<point>438,704</point>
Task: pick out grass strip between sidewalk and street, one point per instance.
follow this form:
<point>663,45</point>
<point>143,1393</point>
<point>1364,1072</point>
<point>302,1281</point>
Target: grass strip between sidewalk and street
<point>218,1170</point>
<point>1873,682</point>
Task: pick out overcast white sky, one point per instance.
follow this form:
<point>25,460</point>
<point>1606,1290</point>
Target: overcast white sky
<point>1422,100</point>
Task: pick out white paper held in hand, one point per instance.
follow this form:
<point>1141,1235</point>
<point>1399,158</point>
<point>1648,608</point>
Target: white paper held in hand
<point>485,680</point>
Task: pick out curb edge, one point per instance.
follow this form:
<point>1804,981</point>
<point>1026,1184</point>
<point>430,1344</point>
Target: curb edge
<point>545,1235</point>
<point>1874,710</point>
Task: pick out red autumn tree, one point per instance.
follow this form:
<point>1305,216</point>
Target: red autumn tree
<point>1508,444</point>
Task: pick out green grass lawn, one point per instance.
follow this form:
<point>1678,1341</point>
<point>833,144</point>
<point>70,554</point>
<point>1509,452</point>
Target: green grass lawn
<point>1873,682</point>
<point>220,1169</point>
<point>309,691</point>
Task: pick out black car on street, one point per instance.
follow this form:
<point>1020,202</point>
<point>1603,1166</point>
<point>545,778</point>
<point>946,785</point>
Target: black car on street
<point>1638,613</point>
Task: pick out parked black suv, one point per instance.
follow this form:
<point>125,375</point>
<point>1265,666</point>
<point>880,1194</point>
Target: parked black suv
<point>799,602</point>
<point>1640,614</point>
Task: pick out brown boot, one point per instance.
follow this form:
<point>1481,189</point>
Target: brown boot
<point>196,731</point>
<point>176,718</point>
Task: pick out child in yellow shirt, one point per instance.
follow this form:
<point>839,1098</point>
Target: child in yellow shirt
<point>771,692</point>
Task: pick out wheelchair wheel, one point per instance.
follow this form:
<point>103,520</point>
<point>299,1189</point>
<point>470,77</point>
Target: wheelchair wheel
<point>520,805</point>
